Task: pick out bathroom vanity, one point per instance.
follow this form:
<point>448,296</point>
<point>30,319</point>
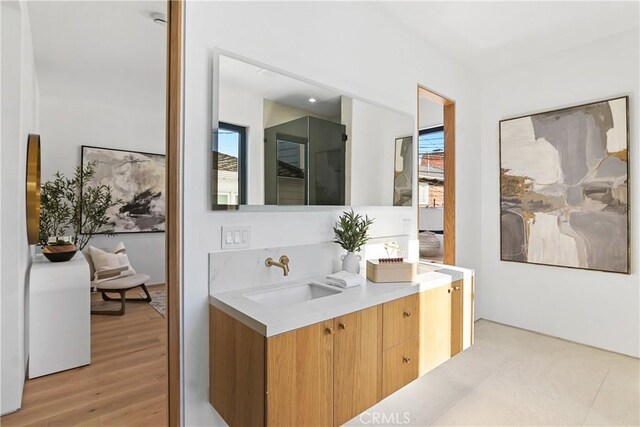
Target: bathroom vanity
<point>307,353</point>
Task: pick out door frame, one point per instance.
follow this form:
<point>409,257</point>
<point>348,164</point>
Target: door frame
<point>449,107</point>
<point>173,207</point>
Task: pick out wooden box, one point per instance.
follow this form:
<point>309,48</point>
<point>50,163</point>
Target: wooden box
<point>395,271</point>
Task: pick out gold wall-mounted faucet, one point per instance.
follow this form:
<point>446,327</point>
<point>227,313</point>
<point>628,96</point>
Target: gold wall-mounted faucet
<point>283,264</point>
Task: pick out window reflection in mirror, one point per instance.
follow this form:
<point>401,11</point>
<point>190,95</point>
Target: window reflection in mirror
<point>229,177</point>
<point>306,144</point>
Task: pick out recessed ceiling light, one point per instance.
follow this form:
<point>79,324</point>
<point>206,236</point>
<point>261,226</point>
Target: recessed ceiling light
<point>312,100</point>
<point>159,18</point>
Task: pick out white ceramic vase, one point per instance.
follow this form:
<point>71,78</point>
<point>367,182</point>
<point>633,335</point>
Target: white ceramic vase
<point>351,262</point>
<point>429,244</point>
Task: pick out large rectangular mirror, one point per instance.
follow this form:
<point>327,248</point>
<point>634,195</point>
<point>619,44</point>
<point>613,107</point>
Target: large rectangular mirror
<point>283,141</point>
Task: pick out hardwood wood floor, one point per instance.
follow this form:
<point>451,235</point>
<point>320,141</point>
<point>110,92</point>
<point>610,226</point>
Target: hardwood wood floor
<point>125,384</point>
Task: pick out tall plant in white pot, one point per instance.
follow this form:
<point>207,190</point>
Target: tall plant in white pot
<point>352,232</point>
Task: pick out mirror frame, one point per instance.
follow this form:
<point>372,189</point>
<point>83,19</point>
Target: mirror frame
<point>32,189</point>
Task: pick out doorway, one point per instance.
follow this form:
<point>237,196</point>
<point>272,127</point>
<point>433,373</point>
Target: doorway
<point>436,177</point>
<point>133,375</point>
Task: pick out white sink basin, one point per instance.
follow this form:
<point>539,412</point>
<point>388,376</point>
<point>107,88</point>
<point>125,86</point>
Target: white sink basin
<point>292,294</point>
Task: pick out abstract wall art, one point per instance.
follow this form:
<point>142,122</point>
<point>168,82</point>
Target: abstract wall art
<point>138,180</point>
<point>564,188</point>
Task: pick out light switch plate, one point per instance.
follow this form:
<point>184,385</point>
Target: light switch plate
<point>406,226</point>
<point>236,237</point>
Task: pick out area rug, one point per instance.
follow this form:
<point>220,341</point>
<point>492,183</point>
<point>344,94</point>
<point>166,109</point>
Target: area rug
<point>157,301</point>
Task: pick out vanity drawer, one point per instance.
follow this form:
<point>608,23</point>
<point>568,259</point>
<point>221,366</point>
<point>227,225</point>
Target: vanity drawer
<point>400,366</point>
<point>401,320</point>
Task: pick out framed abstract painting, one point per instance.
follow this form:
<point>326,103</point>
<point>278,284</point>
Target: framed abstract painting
<point>564,187</point>
<point>138,180</point>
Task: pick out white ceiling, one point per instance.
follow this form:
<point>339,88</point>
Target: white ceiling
<point>487,36</point>
<point>112,52</point>
<point>267,84</point>
<point>99,51</point>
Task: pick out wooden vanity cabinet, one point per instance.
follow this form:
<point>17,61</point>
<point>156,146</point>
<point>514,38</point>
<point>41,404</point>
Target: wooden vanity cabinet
<point>435,322</point>
<point>357,351</point>
<point>441,325</point>
<point>327,373</point>
<point>400,365</point>
<point>421,331</point>
<point>236,370</point>
<point>318,375</point>
<point>300,377</point>
<point>401,320</point>
<point>324,374</point>
<point>457,316</point>
<point>401,329</point>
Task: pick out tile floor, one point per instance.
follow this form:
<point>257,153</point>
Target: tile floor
<point>512,377</point>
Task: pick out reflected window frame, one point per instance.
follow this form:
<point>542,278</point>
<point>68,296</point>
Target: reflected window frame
<point>241,197</point>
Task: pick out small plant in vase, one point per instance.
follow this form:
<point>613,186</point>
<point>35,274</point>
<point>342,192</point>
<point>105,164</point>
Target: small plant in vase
<point>352,232</point>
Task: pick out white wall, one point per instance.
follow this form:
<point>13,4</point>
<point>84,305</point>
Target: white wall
<point>351,46</point>
<point>276,113</point>
<point>599,309</point>
<point>19,106</point>
<point>431,218</point>
<point>373,134</point>
<point>66,124</point>
<point>431,113</point>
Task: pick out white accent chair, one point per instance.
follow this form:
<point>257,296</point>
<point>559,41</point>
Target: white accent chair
<point>120,286</point>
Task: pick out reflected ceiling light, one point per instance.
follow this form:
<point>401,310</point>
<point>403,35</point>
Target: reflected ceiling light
<point>312,100</point>
<point>159,18</point>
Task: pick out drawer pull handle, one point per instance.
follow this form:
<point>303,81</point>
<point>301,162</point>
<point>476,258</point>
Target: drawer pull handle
<point>342,325</point>
<point>456,288</point>
<point>330,331</point>
<point>406,360</point>
<point>407,313</point>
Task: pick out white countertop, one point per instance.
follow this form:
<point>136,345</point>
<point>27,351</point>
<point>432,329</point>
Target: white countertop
<point>269,321</point>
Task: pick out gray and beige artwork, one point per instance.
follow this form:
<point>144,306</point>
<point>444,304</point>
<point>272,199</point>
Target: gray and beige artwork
<point>137,180</point>
<point>563,187</point>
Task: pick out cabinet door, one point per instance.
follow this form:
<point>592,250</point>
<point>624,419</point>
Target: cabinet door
<point>400,366</point>
<point>236,370</point>
<point>457,305</point>
<point>435,323</point>
<point>300,377</point>
<point>401,320</point>
<point>357,362</point>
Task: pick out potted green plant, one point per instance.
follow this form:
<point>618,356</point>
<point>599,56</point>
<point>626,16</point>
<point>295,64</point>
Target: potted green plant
<point>72,211</point>
<point>351,233</point>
